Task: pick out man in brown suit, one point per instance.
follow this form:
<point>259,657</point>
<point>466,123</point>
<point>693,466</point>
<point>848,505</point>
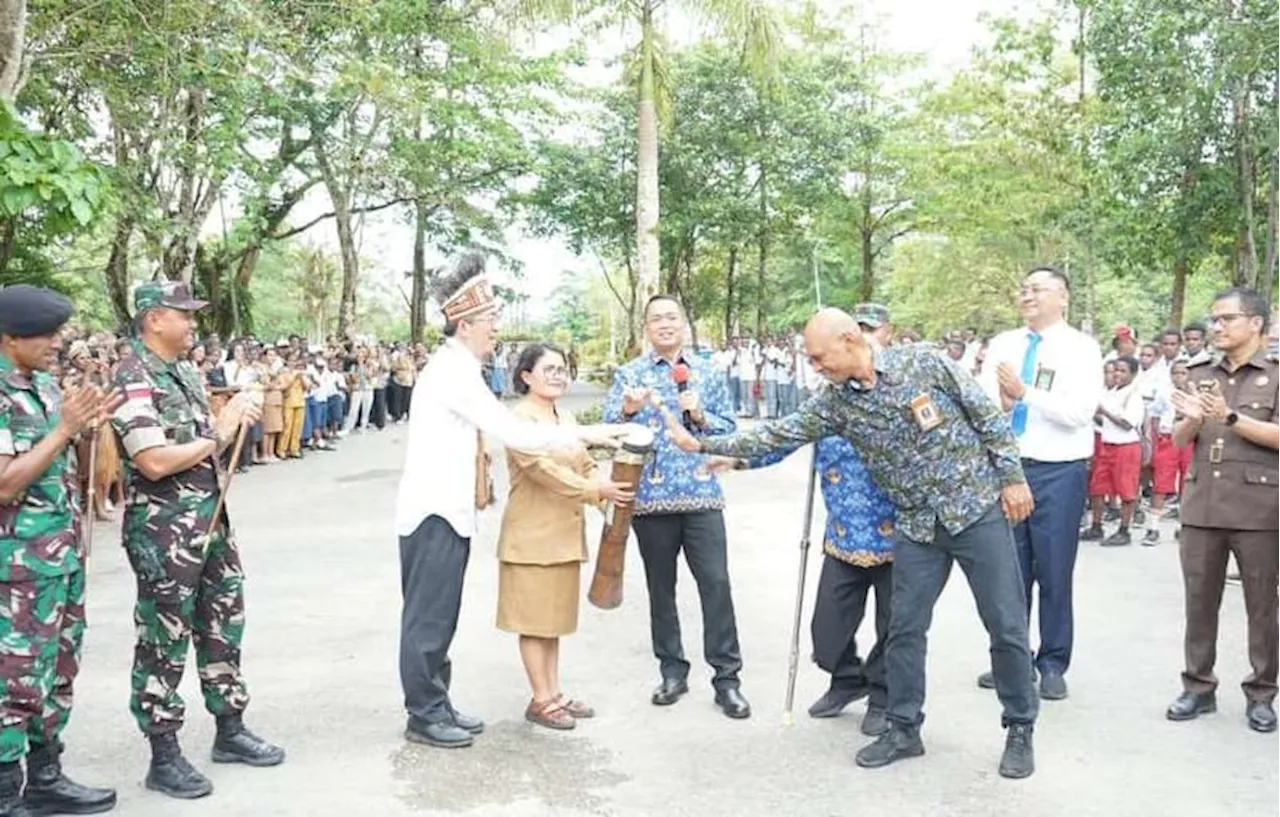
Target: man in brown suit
<point>1230,504</point>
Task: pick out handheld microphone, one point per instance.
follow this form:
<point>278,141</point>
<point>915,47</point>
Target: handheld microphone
<point>680,374</point>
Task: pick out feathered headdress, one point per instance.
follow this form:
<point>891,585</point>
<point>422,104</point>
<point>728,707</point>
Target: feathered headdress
<point>465,291</point>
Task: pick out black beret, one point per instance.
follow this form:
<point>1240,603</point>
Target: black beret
<point>27,311</point>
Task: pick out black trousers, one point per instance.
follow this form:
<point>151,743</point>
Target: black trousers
<point>701,536</point>
<point>838,611</point>
<point>433,563</point>
<point>397,400</point>
<point>378,412</point>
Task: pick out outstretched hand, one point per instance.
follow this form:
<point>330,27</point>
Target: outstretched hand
<point>675,429</point>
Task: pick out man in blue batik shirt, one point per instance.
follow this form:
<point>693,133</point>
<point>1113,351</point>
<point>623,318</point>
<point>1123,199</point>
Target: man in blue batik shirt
<point>858,546</point>
<point>945,454</point>
<point>679,504</point>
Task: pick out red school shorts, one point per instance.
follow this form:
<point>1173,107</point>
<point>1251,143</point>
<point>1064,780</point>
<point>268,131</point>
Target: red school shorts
<point>1116,471</point>
<point>1169,465</point>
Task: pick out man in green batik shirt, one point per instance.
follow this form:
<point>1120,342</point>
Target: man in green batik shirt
<point>187,590</point>
<point>42,557</point>
<point>944,454</point>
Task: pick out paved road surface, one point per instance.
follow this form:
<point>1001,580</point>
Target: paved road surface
<point>320,658</point>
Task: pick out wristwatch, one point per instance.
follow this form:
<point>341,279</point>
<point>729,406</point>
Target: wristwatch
<point>1232,417</point>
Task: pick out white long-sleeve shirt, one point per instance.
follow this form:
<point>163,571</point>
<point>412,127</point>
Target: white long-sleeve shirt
<point>450,402</point>
<point>1063,394</point>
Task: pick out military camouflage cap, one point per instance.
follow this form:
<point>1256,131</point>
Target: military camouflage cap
<point>873,315</point>
<point>169,294</point>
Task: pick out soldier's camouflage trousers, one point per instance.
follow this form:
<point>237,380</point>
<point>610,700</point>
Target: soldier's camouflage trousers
<point>183,597</point>
<point>41,629</point>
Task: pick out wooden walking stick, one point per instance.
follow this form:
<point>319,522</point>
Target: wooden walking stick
<point>222,495</point>
<point>89,513</point>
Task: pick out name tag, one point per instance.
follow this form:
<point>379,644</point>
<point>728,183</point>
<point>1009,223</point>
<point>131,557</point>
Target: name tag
<point>925,412</point>
<point>1044,378</point>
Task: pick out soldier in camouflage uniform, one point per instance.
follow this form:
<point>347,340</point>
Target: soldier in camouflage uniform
<point>42,558</point>
<point>186,591</point>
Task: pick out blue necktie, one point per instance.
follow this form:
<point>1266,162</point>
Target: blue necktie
<point>1019,417</point>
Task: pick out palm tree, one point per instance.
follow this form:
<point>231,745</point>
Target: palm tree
<point>750,22</point>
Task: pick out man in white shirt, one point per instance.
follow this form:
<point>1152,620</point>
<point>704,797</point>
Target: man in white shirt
<point>1118,466</point>
<point>444,484</point>
<point>1048,376</point>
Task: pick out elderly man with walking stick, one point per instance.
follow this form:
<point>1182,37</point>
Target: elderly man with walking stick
<point>858,558</point>
<point>180,544</point>
<point>944,454</point>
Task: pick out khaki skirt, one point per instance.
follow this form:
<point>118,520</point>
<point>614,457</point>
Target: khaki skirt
<point>539,600</point>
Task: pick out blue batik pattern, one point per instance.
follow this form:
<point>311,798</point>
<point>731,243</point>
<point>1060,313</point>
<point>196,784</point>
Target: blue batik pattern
<point>674,481</point>
<point>860,518</point>
<point>950,473</point>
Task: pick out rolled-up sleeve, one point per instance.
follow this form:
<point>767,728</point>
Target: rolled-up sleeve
<point>136,421</point>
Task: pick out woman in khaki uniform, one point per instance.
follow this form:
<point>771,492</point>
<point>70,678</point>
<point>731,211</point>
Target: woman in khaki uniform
<point>543,541</point>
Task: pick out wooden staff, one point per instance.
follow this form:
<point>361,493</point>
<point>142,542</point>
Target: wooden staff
<point>222,495</point>
<point>87,521</point>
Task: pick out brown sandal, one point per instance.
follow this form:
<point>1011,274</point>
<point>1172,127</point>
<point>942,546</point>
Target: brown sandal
<point>577,709</point>
<point>551,714</point>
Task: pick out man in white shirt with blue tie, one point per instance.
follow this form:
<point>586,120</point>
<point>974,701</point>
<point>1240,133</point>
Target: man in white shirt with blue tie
<point>1048,376</point>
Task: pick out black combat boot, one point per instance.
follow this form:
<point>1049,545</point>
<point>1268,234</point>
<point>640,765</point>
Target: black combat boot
<point>171,774</point>
<point>49,791</point>
<point>11,804</point>
<point>235,744</point>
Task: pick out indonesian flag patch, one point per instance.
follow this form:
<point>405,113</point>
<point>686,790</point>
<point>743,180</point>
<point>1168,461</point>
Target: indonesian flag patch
<point>137,392</point>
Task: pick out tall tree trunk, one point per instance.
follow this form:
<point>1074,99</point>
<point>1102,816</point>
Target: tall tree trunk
<point>1246,261</point>
<point>1267,279</point>
<point>729,294</point>
<point>648,258</point>
<point>1179,297</point>
<point>339,196</point>
<point>117,271</point>
<point>13,36</point>
<point>418,292</point>
<point>867,283</point>
<point>350,265</point>
<point>762,251</point>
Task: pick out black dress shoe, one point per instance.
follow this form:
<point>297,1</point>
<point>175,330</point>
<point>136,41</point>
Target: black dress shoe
<point>1190,706</point>
<point>1260,714</point>
<point>468,722</point>
<point>669,691</point>
<point>896,743</point>
<point>733,704</point>
<point>874,723</point>
<point>1019,758</point>
<point>1053,687</point>
<point>441,734</point>
<point>49,791</point>
<point>235,744</point>
<point>833,702</point>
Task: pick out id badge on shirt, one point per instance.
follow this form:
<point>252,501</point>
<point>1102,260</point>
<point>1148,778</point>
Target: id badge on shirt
<point>925,412</point>
<point>1044,378</point>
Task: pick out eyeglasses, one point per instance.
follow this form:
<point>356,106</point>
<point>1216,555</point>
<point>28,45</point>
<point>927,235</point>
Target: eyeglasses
<point>1227,318</point>
<point>1035,291</point>
<point>554,371</point>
